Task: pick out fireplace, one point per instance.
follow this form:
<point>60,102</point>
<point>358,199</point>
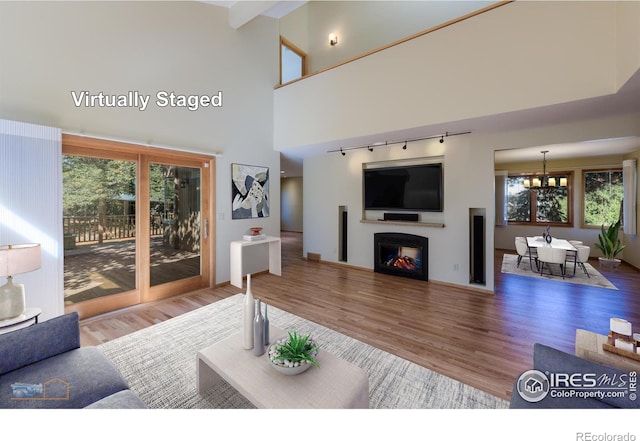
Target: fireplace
<point>401,254</point>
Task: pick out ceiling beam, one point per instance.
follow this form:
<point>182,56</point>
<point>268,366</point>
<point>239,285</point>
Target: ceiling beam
<point>243,12</point>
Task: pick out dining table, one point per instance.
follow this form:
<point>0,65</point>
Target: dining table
<point>562,244</point>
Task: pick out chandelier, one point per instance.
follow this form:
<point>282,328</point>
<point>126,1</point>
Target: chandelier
<point>544,182</point>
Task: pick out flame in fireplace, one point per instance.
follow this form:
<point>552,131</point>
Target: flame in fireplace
<point>404,262</point>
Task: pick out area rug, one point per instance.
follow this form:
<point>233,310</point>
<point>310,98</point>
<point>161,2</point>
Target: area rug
<point>159,363</point>
<point>509,262</point>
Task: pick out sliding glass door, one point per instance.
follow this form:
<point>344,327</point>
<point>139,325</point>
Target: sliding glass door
<point>176,218</point>
<point>135,224</point>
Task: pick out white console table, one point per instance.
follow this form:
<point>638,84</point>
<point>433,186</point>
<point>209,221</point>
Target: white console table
<point>248,257</point>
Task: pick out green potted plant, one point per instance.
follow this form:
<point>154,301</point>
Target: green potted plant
<point>610,244</point>
<point>293,354</point>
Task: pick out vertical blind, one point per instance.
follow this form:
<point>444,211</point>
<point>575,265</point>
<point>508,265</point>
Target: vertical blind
<point>31,207</point>
<point>630,195</point>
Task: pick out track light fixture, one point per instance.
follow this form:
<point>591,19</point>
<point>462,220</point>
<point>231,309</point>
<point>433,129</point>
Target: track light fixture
<point>440,137</point>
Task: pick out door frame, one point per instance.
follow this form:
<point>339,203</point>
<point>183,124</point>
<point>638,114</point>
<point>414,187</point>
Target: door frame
<point>143,156</point>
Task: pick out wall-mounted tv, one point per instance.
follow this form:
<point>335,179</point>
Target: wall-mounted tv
<point>410,187</point>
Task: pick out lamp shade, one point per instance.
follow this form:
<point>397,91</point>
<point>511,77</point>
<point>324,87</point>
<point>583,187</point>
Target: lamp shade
<point>18,259</point>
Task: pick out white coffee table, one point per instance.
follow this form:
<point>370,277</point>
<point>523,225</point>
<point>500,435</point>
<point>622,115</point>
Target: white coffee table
<point>336,384</point>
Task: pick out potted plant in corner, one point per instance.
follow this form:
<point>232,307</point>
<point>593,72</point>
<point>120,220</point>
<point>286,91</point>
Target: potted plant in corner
<point>610,245</point>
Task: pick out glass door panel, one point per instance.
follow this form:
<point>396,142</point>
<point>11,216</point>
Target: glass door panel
<point>99,221</point>
<point>175,217</point>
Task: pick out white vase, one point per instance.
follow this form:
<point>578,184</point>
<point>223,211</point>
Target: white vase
<point>12,300</point>
<point>248,314</point>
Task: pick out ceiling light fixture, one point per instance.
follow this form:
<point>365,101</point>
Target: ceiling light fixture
<point>370,148</point>
<point>544,182</point>
<point>333,39</point>
<point>404,147</point>
<point>343,153</point>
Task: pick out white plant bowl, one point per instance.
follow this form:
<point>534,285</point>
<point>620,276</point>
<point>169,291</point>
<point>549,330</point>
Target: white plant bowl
<point>287,370</point>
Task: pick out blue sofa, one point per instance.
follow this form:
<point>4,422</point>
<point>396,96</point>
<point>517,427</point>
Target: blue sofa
<point>574,383</point>
<point>43,366</point>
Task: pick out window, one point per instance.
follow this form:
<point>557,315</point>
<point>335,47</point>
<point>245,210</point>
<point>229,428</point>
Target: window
<point>602,197</point>
<point>548,206</point>
<point>293,62</point>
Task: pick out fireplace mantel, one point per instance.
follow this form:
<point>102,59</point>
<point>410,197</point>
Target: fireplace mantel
<point>406,223</point>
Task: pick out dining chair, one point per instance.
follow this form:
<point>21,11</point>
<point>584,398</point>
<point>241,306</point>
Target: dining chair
<point>524,250</point>
<point>579,258</point>
<point>548,255</point>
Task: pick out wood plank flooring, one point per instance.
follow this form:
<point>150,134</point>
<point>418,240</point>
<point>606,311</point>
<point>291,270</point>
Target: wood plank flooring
<point>481,339</point>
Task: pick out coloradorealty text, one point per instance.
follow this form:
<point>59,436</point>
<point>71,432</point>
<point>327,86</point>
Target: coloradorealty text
<point>137,100</point>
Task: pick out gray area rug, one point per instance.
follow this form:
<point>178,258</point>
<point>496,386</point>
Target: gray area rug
<point>159,363</point>
<point>509,262</point>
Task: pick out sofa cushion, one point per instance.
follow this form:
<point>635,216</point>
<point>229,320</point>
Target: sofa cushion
<point>125,399</point>
<point>74,379</point>
<point>38,342</point>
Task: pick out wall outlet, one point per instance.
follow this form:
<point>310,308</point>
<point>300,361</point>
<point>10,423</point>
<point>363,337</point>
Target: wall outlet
<point>456,267</point>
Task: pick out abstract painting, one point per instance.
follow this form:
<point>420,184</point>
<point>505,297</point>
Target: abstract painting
<point>249,191</point>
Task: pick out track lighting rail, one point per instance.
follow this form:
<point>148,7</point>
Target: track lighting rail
<point>371,147</point>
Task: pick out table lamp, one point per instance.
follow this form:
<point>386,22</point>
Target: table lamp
<point>16,259</point>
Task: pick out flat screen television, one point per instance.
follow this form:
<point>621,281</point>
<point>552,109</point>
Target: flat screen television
<point>411,187</point>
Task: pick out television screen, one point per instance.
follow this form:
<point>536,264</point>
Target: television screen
<point>413,187</point>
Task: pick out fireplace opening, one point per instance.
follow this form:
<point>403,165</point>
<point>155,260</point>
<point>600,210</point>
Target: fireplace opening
<point>401,254</point>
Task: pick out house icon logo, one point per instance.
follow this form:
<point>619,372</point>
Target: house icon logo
<point>533,386</point>
<point>54,389</point>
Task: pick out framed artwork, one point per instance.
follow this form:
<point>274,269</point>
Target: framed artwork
<point>249,191</point>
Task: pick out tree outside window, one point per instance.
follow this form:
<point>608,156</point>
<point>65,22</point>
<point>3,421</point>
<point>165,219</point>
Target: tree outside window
<point>602,197</point>
<point>536,207</point>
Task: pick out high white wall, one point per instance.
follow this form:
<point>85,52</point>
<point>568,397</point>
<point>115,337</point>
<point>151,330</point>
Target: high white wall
<point>363,26</point>
<point>627,39</point>
<point>48,49</point>
<point>519,56</point>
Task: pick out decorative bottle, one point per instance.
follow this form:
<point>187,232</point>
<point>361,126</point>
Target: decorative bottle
<point>266,326</point>
<point>258,331</point>
<point>248,314</point>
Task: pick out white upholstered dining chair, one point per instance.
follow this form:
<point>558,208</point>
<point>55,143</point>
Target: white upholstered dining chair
<point>580,257</point>
<point>548,255</point>
<point>524,250</point>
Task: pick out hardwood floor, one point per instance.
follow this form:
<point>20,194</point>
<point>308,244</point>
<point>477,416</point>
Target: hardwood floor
<point>481,339</point>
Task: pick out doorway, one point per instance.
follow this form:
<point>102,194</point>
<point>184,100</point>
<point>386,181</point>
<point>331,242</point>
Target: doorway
<point>136,224</point>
